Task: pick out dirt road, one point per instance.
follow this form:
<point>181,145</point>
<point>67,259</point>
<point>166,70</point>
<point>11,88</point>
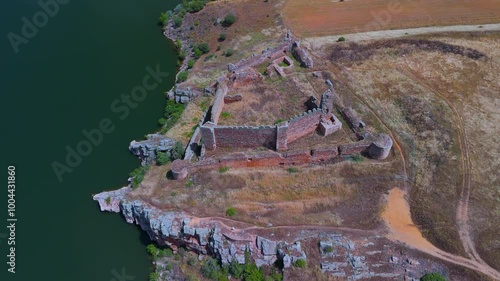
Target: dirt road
<point>318,42</point>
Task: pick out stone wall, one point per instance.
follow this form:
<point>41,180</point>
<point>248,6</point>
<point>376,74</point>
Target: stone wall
<point>303,124</point>
<point>218,102</point>
<point>245,136</point>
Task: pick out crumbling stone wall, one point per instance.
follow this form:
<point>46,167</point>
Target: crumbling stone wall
<point>245,136</point>
<point>303,125</point>
<point>218,102</point>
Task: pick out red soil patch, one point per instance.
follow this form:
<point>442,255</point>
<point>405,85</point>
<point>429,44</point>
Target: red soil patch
<point>322,17</point>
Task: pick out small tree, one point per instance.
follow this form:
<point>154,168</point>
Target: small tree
<point>190,63</point>
<point>435,276</point>
<point>204,48</point>
<point>230,212</point>
<point>300,263</point>
<point>222,37</point>
<point>161,158</point>
<point>177,21</point>
<point>152,250</point>
<point>341,39</point>
<point>163,18</point>
<point>228,52</point>
<point>229,20</point>
<point>178,150</point>
<point>182,76</point>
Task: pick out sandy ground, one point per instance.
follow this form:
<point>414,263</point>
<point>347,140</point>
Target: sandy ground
<point>401,228</point>
<point>317,42</point>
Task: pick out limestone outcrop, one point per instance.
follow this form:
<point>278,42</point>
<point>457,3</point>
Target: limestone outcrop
<point>146,149</point>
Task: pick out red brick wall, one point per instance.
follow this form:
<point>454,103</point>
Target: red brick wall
<point>303,125</point>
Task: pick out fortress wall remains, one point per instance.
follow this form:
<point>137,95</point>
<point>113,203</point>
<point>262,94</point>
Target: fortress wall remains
<point>218,102</point>
<point>303,125</point>
<point>245,136</point>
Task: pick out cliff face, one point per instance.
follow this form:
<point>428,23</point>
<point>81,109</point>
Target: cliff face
<point>177,229</point>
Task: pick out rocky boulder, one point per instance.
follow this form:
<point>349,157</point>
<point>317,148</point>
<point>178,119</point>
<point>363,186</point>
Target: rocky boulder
<point>146,149</point>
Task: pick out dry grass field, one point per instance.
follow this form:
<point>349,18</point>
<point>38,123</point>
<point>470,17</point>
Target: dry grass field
<point>321,17</point>
<point>438,95</point>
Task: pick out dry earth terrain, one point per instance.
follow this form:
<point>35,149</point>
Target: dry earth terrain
<point>322,18</point>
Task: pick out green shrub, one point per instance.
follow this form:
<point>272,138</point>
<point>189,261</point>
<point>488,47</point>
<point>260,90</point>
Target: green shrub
<point>229,52</point>
<point>341,39</point>
<point>204,48</point>
<point>300,263</point>
<point>222,37</point>
<point>218,48</point>
<point>154,276</point>
<point>191,261</point>
<point>435,276</point>
<point>152,250</point>
<point>177,21</point>
<point>223,169</point>
<point>229,20</point>
<point>196,22</point>
<point>182,76</point>
<point>108,200</point>
<point>211,269</point>
<point>197,52</point>
<point>230,212</point>
<point>173,112</point>
<point>356,158</point>
<point>166,253</point>
<point>292,170</point>
<point>163,18</point>
<point>182,55</point>
<point>168,266</point>
<point>190,63</point>
<point>137,175</point>
<point>236,269</point>
<point>161,158</point>
<point>162,121</point>
<point>178,150</point>
<point>225,114</point>
<point>328,249</point>
<point>178,44</point>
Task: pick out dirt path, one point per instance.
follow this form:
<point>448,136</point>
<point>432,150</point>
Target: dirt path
<point>463,204</point>
<point>401,228</point>
<point>318,42</point>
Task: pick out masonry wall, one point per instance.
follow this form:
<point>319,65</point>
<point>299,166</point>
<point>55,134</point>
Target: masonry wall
<point>218,102</point>
<point>303,125</point>
<point>227,136</point>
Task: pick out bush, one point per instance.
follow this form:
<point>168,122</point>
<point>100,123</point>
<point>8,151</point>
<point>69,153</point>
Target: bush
<point>177,21</point>
<point>229,20</point>
<point>152,250</point>
<point>292,170</point>
<point>166,253</point>
<point>182,76</point>
<point>161,158</point>
<point>162,121</point>
<point>223,169</point>
<point>328,249</point>
<point>211,269</point>
<point>236,269</point>
<point>231,212</point>
<point>173,112</point>
<point>228,52</point>
<point>435,276</point>
<point>163,18</point>
<point>108,200</point>
<point>204,48</point>
<point>178,150</point>
<point>190,63</point>
<point>154,276</point>
<point>191,261</point>
<point>137,175</point>
<point>300,263</point>
<point>197,52</point>
<point>222,37</point>
<point>341,39</point>
<point>225,114</point>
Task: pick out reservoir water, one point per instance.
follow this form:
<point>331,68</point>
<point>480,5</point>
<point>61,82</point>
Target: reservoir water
<point>64,79</point>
